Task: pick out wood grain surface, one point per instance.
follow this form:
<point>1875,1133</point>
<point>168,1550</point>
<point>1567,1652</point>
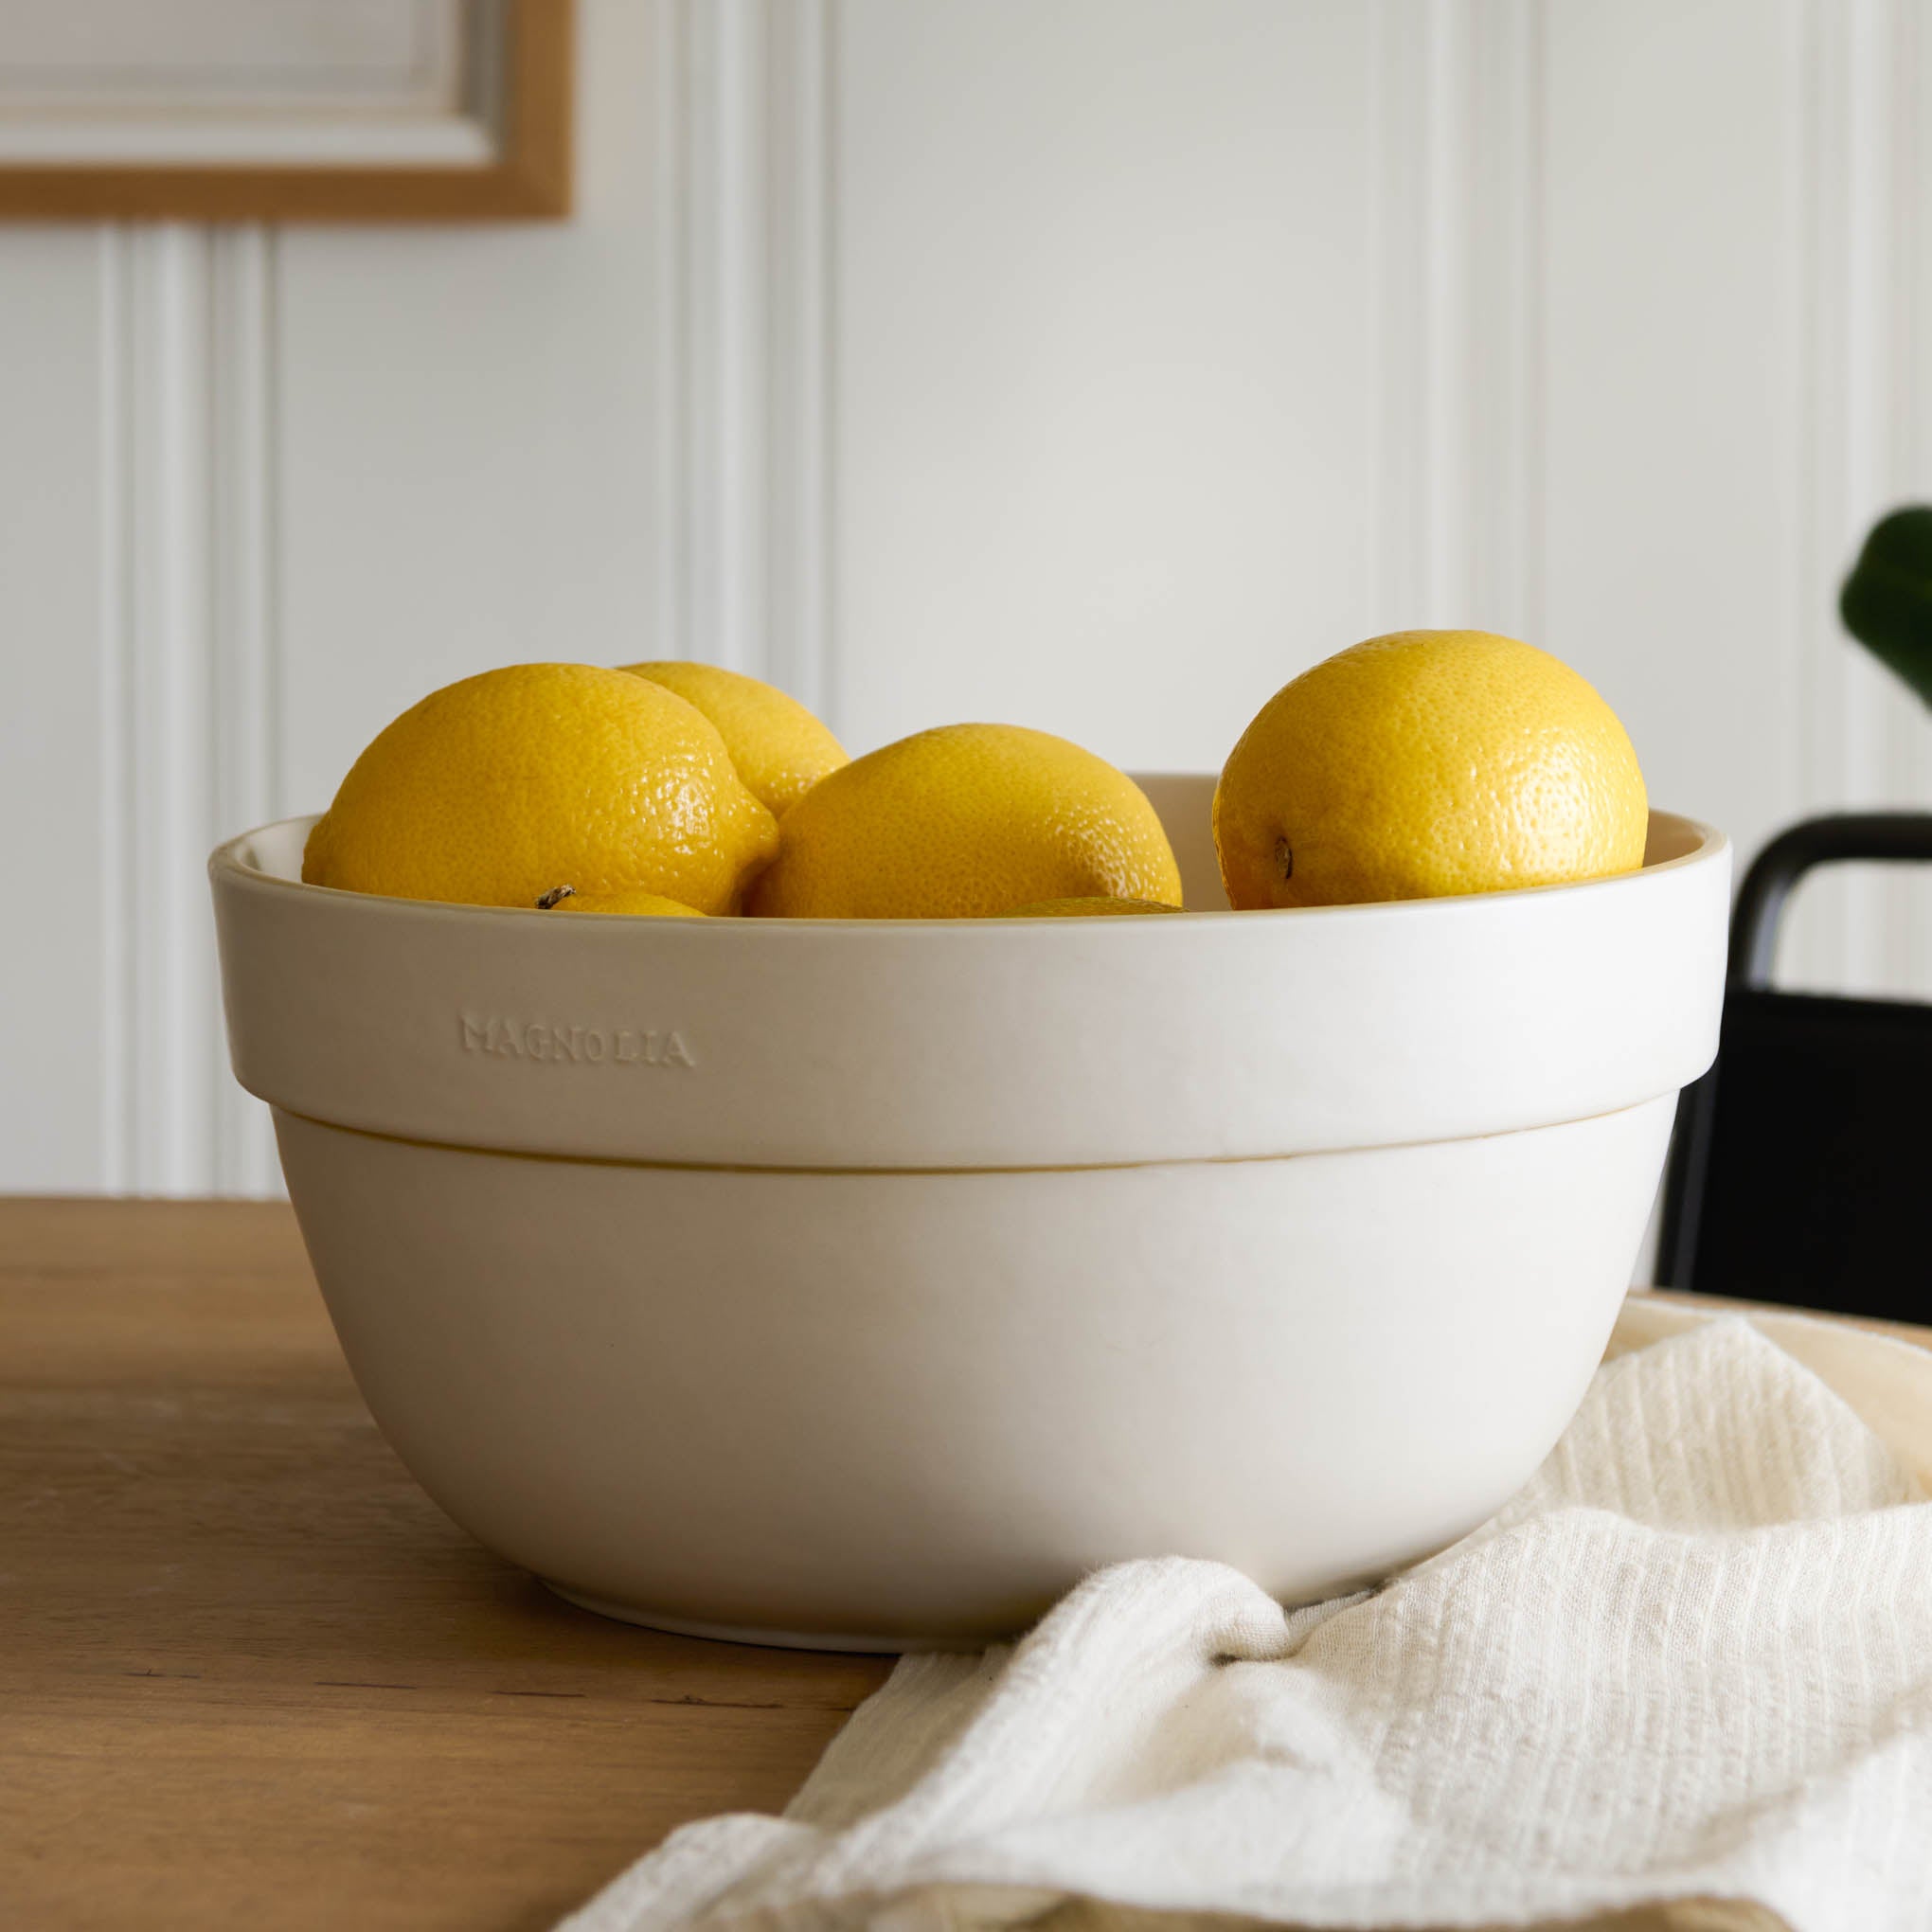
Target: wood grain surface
<point>251,1675</point>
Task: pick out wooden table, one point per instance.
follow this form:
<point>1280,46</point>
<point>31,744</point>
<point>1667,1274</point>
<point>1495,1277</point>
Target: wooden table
<point>249,1674</point>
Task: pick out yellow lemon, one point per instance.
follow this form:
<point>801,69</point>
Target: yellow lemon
<point>1086,908</point>
<point>638,905</point>
<point>780,748</point>
<point>1426,764</point>
<point>494,790</point>
<point>962,822</point>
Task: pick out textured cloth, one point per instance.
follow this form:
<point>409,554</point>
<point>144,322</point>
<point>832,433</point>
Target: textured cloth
<point>1691,1661</point>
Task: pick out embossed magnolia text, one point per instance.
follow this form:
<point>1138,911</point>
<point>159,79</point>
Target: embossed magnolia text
<point>581,1045</point>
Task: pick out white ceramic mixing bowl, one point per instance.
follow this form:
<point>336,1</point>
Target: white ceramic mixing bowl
<point>865,1283</point>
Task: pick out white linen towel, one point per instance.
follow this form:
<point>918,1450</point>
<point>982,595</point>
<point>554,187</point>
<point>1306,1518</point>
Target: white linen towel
<point>1691,1661</point>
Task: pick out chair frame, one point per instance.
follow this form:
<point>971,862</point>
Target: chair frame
<point>1836,839</point>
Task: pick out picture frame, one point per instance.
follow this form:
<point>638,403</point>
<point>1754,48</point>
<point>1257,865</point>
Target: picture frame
<point>286,110</point>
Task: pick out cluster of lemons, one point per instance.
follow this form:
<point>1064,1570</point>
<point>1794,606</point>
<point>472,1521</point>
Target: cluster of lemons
<point>1424,763</point>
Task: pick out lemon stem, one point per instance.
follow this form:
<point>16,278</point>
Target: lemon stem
<point>554,894</point>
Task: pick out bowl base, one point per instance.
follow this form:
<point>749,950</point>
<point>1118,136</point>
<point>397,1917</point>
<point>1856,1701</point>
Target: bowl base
<point>778,1639</point>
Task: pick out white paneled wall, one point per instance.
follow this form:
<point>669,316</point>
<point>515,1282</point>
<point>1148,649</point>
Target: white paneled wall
<point>1095,363</point>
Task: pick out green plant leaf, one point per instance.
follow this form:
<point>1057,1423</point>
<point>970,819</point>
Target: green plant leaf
<point>1886,601</point>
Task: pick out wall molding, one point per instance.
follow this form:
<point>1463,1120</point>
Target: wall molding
<point>191,722</point>
<point>114,671</point>
<point>1460,93</point>
<point>744,210</point>
<point>1909,747</point>
<point>243,615</point>
<point>725,289</point>
<point>1407,320</point>
<point>1505,349</point>
<point>169,688</point>
<point>1858,244</point>
<point>801,105</point>
<point>1460,103</point>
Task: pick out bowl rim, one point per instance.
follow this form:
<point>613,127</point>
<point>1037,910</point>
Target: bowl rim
<point>228,864</point>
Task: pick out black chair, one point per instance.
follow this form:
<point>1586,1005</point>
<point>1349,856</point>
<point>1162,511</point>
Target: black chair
<point>1802,1168</point>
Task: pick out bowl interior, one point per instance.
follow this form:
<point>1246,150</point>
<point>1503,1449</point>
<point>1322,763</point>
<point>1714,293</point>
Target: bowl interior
<point>1185,802</point>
